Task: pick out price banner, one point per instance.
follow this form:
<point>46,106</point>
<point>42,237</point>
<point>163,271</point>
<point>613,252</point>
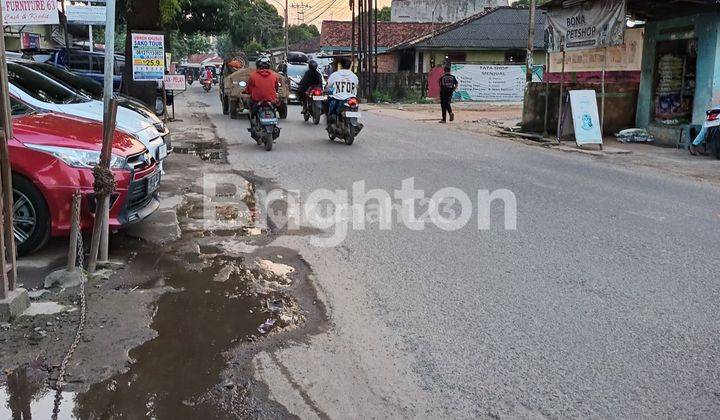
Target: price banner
<point>174,82</point>
<point>30,12</point>
<point>148,57</point>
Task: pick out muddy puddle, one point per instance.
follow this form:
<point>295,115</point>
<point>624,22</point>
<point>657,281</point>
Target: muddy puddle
<point>207,312</point>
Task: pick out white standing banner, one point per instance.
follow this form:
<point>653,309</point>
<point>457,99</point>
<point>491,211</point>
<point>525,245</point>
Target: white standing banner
<point>86,15</point>
<point>174,82</point>
<point>490,83</point>
<point>591,24</point>
<point>30,12</point>
<point>586,121</point>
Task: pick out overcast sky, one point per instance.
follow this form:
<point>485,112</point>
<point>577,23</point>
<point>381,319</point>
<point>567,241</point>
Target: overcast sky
<point>322,9</point>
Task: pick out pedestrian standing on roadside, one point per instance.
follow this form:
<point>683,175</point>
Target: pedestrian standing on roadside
<point>448,86</point>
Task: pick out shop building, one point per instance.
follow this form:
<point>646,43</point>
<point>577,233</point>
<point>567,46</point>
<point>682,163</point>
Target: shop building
<point>680,77</point>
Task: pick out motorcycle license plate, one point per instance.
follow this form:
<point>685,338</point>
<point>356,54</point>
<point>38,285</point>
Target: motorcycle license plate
<point>350,114</point>
<point>162,152</point>
<point>153,182</point>
<point>319,98</point>
<point>268,121</point>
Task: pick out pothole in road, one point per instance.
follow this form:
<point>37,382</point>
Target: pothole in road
<point>203,152</point>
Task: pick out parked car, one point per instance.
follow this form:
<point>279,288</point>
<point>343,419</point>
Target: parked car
<point>43,93</point>
<point>94,90</point>
<point>52,155</point>
<point>90,65</point>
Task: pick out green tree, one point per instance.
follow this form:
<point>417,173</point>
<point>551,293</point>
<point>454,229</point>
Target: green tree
<point>183,45</point>
<point>384,14</point>
<point>303,32</point>
<point>256,21</point>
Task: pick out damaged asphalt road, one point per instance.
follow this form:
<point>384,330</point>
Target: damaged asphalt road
<point>173,325</point>
<point>602,304</point>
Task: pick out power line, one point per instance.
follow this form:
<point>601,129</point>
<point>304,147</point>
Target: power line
<point>300,9</point>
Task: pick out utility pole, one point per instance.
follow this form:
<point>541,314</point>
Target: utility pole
<point>300,11</point>
<point>287,27</point>
<point>531,42</point>
<point>352,40</point>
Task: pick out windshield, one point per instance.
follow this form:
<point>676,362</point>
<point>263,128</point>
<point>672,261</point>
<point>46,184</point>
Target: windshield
<point>42,87</point>
<point>85,85</point>
<point>295,70</point>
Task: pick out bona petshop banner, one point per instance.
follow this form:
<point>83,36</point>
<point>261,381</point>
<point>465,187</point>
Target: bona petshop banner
<point>591,24</point>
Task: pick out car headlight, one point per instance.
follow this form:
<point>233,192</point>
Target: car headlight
<point>78,158</point>
<point>159,126</point>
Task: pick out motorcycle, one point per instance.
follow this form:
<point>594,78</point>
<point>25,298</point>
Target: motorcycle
<point>263,125</point>
<point>346,125</point>
<point>314,104</point>
<point>207,84</point>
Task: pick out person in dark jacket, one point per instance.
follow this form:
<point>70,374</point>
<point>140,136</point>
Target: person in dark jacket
<point>311,78</point>
<point>448,86</point>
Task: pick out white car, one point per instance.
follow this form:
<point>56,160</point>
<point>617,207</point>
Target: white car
<point>41,92</point>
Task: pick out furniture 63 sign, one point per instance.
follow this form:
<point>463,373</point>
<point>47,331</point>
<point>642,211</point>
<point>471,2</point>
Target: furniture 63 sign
<point>148,57</point>
<point>30,12</point>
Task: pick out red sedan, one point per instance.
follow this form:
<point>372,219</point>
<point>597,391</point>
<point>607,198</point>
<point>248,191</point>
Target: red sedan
<point>52,155</point>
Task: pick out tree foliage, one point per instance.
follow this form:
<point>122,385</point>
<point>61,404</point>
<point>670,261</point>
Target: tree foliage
<point>183,45</point>
<point>256,21</point>
<point>303,32</point>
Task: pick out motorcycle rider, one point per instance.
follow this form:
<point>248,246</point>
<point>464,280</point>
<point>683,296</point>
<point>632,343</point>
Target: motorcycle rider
<point>263,85</point>
<point>341,86</point>
<point>311,78</point>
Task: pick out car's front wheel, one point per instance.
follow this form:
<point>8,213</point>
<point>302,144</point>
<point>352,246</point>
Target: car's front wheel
<point>31,217</point>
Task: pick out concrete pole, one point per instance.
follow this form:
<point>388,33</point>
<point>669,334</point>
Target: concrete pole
<point>530,43</point>
<point>90,37</point>
<point>74,230</point>
<point>109,57</point>
<point>287,28</point>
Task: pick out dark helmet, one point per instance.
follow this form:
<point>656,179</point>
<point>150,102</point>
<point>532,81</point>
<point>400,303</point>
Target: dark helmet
<point>313,65</point>
<point>263,63</point>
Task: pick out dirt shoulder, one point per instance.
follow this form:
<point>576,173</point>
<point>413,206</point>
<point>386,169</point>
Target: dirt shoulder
<point>490,118</point>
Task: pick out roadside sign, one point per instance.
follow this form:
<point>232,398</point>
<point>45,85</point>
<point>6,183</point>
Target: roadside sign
<point>86,15</point>
<point>585,25</point>
<point>29,41</point>
<point>174,82</point>
<point>585,117</point>
<point>30,12</point>
<point>148,57</point>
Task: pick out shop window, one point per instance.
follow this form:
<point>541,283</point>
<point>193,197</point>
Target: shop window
<point>456,57</point>
<point>674,91</point>
<point>515,56</point>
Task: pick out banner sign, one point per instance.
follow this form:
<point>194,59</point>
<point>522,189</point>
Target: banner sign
<point>87,15</point>
<point>30,12</point>
<point>148,57</point>
<point>174,82</point>
<point>591,24</point>
<point>491,83</point>
<point>626,57</point>
<point>29,41</point>
<point>585,116</point>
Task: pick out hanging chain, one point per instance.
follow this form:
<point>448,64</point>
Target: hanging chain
<point>80,263</point>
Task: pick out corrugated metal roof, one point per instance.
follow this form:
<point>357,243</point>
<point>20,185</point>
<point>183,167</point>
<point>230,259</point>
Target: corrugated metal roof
<point>499,28</point>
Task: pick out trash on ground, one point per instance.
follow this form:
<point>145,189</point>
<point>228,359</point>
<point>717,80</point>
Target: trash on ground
<point>266,326</point>
<point>44,308</point>
<point>635,135</point>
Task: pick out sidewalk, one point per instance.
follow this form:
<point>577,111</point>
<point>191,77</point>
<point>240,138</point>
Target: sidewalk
<point>489,118</point>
